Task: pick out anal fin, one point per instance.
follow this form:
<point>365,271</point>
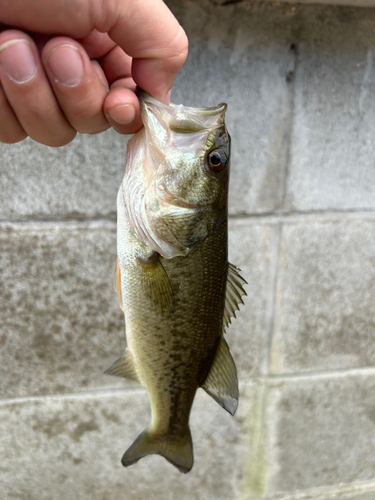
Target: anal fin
<point>221,382</point>
<point>123,367</point>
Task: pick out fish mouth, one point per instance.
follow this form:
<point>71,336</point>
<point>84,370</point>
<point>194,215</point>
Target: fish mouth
<point>212,111</point>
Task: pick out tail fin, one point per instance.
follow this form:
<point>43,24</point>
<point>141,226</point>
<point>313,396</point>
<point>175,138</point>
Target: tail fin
<point>177,450</point>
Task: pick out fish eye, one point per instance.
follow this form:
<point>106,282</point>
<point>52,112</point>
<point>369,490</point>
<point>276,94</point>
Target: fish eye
<point>216,160</point>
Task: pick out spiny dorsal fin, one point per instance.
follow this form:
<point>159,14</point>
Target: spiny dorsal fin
<point>155,283</point>
<point>118,283</point>
<point>233,294</point>
<point>221,382</point>
<point>123,367</point>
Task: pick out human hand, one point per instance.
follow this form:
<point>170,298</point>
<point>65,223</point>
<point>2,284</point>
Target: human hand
<point>72,66</point>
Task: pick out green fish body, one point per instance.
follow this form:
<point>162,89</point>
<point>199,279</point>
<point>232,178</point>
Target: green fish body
<point>175,284</point>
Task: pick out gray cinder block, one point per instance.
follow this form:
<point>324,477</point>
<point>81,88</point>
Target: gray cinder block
<point>317,439</point>
<point>353,494</point>
<point>76,444</point>
<point>332,156</point>
<point>78,180</point>
<point>250,248</point>
<point>60,321</point>
<point>324,316</point>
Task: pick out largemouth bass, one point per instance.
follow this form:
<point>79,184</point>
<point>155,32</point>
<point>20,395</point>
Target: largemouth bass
<point>174,282</point>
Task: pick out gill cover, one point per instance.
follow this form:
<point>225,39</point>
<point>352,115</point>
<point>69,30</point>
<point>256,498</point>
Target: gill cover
<point>168,190</point>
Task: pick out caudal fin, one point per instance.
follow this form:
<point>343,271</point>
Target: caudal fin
<point>177,450</point>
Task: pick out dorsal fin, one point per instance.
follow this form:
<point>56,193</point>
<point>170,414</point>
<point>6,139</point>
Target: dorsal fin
<point>118,283</point>
<point>221,382</point>
<point>233,294</point>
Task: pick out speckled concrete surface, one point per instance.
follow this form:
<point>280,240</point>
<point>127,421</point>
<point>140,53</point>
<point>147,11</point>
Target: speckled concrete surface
<point>78,180</point>
<point>323,315</point>
<point>71,447</point>
<point>320,430</point>
<point>299,85</point>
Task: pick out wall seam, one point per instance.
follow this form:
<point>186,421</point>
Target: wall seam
<point>290,79</point>
<point>271,306</point>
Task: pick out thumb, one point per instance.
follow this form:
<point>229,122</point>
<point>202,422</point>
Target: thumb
<point>152,36</point>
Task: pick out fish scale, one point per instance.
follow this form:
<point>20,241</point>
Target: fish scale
<point>173,278</point>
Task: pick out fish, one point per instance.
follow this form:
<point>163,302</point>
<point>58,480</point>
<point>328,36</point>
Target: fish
<point>174,282</point>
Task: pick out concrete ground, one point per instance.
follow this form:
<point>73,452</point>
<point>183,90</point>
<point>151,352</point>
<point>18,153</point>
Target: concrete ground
<point>300,86</point>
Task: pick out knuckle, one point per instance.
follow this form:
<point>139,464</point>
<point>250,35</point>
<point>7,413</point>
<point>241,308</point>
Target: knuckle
<point>82,109</point>
<point>87,117</point>
<point>180,45</point>
<point>184,42</point>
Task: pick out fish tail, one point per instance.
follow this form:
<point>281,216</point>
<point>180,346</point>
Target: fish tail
<point>178,450</point>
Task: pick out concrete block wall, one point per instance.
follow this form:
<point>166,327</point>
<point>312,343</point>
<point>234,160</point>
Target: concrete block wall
<point>299,82</point>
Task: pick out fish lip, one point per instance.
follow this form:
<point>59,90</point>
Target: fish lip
<point>212,111</point>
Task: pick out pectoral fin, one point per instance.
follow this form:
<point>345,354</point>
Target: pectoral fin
<point>233,295</point>
<point>155,283</point>
<point>123,367</point>
<point>221,382</point>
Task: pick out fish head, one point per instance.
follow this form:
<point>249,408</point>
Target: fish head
<point>175,187</point>
<point>189,150</point>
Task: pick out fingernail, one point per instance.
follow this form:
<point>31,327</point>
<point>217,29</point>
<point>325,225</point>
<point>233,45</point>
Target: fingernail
<point>123,114</point>
<point>66,65</point>
<point>18,60</point>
